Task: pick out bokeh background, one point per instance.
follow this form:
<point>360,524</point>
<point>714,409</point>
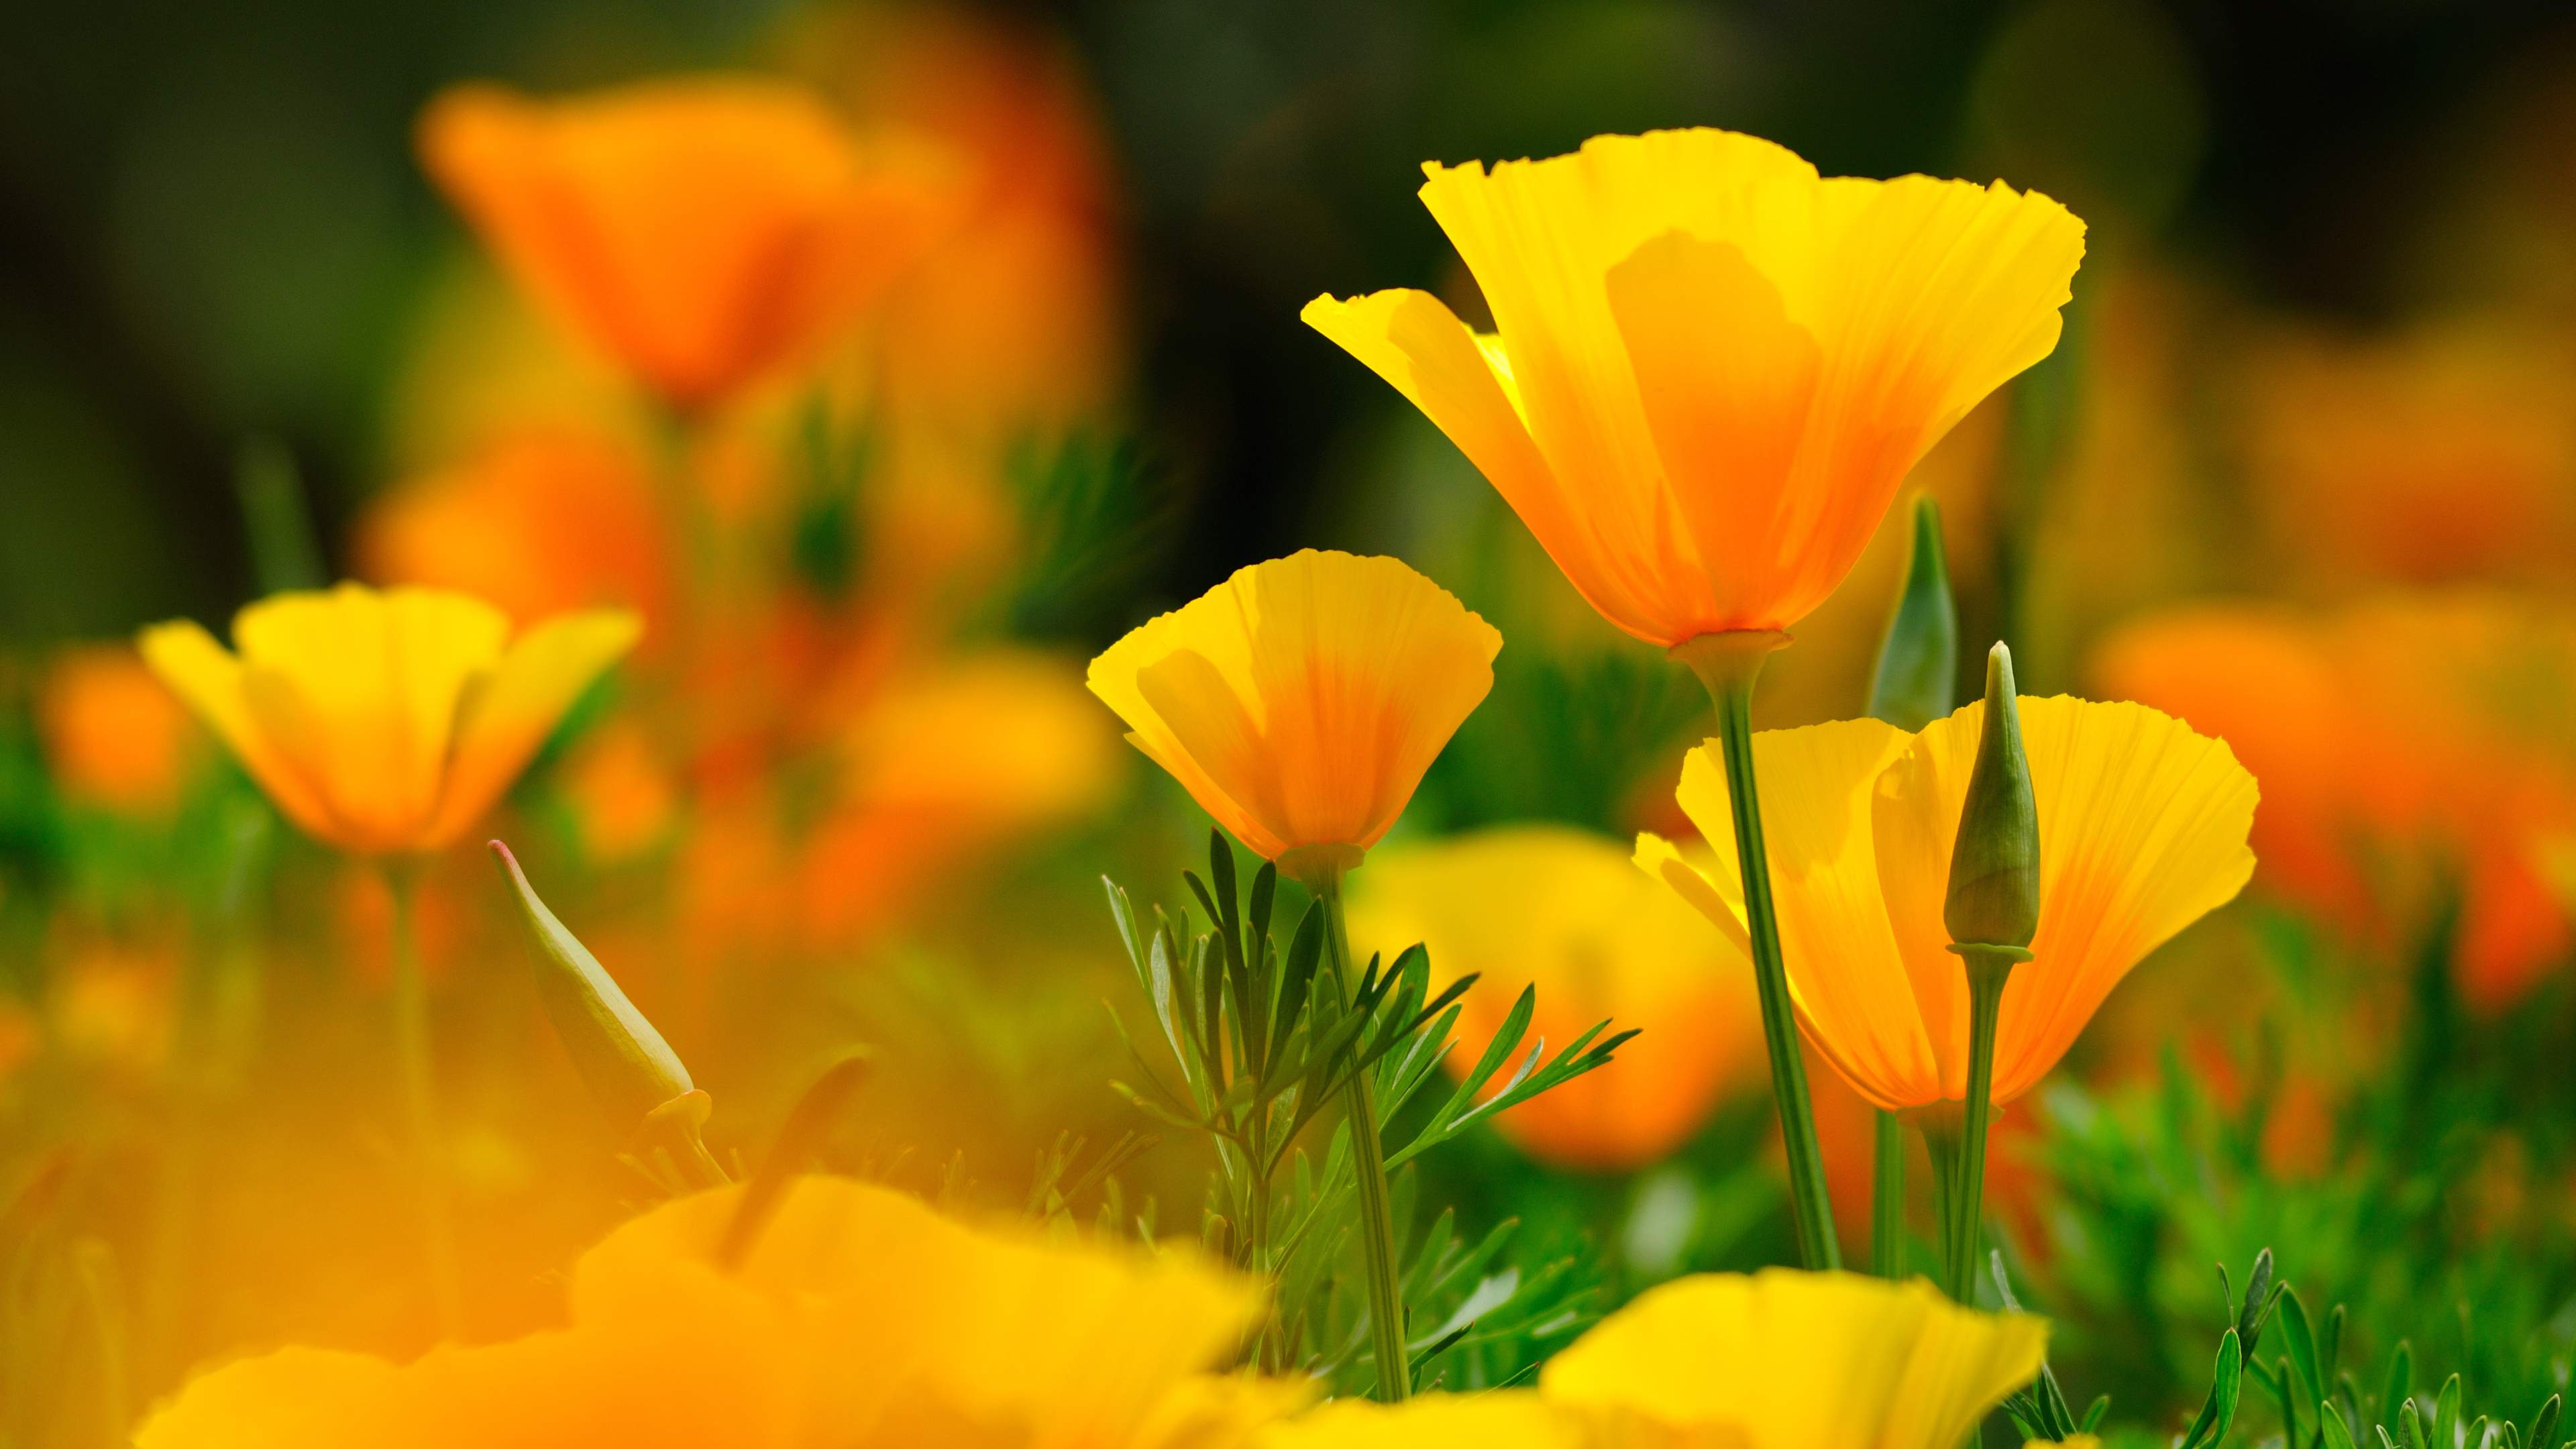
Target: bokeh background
<point>2321,357</point>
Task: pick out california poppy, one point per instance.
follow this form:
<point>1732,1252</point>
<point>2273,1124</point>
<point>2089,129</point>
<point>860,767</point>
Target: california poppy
<point>789,1345</point>
<point>385,723</point>
<point>1564,911</point>
<point>1711,367</point>
<point>1301,700</point>
<point>703,231</point>
<point>2142,829</point>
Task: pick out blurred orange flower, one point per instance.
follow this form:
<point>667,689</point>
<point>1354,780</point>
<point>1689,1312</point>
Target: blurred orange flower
<point>2405,744</point>
<point>951,761</point>
<point>932,767</point>
<point>2442,456</point>
<point>1301,700</point>
<point>705,231</point>
<point>1565,911</point>
<point>385,723</point>
<point>1011,322</point>
<point>539,521</point>
<point>113,737</point>
<point>621,793</point>
<point>1712,368</point>
<point>997,1341</point>
<point>2142,828</point>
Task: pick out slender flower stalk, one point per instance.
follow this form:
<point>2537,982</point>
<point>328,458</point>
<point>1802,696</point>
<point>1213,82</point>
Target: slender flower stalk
<point>1887,1198</point>
<point>420,1101</point>
<point>1368,1158</point>
<point>1728,664</point>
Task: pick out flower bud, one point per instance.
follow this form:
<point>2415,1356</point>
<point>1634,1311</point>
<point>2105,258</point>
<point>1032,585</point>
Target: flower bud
<point>1994,868</point>
<point>621,1058</point>
<point>1912,686</point>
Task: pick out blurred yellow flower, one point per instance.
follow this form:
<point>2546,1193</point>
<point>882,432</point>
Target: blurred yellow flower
<point>2142,830</point>
<point>539,520</point>
<point>1565,911</point>
<point>1712,367</point>
<point>858,1319</point>
<point>112,736</point>
<point>1778,1360</point>
<point>1301,700</point>
<point>705,231</point>
<point>2408,745</point>
<point>385,722</point>
<point>1785,1360</point>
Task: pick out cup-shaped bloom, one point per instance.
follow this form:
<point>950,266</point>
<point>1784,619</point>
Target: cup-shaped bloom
<point>1712,368</point>
<point>1301,700</point>
<point>702,231</point>
<point>1785,1360</point>
<point>385,722</point>
<point>998,1341</point>
<point>1564,911</point>
<point>2142,830</point>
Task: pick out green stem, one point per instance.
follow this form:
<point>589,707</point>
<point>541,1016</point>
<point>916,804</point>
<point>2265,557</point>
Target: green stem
<point>1728,664</point>
<point>420,1100</point>
<point>1941,1147</point>
<point>1887,1201</point>
<point>1988,969</point>
<point>1368,1167</point>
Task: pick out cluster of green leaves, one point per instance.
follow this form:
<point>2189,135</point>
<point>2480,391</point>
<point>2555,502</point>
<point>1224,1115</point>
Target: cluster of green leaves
<point>1264,1042</point>
<point>2427,1227</point>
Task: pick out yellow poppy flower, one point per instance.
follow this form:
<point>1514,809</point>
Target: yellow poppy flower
<point>385,722</point>
<point>1785,1360</point>
<point>702,231</point>
<point>997,1343</point>
<point>1778,1360</point>
<point>1712,367</point>
<point>1564,910</point>
<point>2142,830</point>
<point>1301,700</point>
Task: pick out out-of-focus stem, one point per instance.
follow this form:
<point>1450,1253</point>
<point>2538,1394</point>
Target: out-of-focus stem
<point>1368,1168</point>
<point>420,1100</point>
<point>1729,664</point>
<point>1887,1200</point>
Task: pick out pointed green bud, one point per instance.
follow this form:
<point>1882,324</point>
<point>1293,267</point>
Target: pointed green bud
<point>1920,657</point>
<point>1994,870</point>
<point>621,1058</point>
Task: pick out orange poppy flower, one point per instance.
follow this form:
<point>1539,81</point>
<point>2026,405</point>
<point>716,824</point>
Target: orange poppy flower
<point>703,231</point>
<point>2142,828</point>
<point>112,735</point>
<point>385,723</point>
<point>1565,911</point>
<point>539,521</point>
<point>2416,742</point>
<point>1300,701</point>
<point>1711,367</point>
